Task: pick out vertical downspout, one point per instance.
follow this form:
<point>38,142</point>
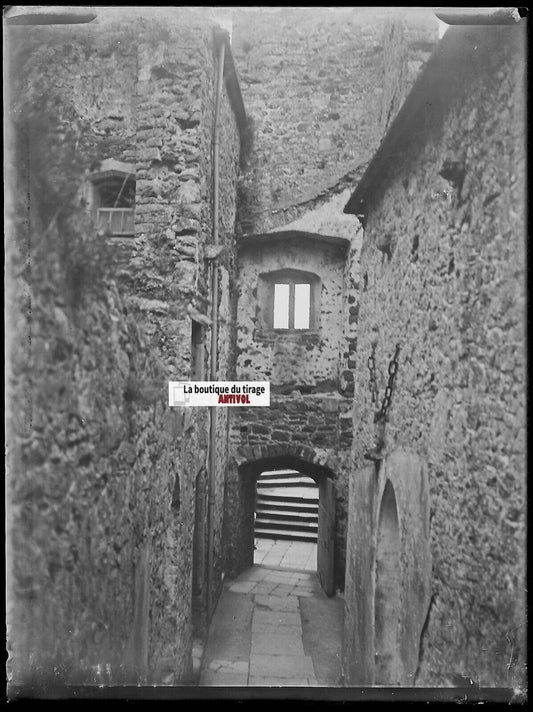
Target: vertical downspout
<point>214,333</point>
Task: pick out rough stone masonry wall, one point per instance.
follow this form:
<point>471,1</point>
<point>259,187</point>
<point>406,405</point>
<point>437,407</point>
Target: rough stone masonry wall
<point>91,460</point>
<point>296,424</point>
<point>296,358</point>
<point>306,408</point>
<point>229,156</point>
<point>175,220</point>
<point>315,83</point>
<point>453,294</point>
<point>102,493</point>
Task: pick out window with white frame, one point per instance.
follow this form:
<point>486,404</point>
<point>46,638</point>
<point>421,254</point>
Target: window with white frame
<point>291,300</point>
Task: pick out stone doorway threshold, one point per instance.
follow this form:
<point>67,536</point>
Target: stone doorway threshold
<point>285,554</point>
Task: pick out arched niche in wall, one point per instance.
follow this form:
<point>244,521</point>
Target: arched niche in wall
<point>289,301</point>
<point>387,661</point>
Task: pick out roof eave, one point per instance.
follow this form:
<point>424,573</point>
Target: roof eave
<point>231,81</point>
<point>255,239</point>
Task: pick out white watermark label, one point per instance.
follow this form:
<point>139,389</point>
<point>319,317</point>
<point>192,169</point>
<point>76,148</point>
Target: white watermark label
<point>209,393</point>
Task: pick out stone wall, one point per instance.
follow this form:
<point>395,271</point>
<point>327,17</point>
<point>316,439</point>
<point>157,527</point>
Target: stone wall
<point>306,409</point>
<point>310,391</point>
<point>101,471</point>
<point>443,275</point>
<point>176,112</point>
<point>296,358</point>
<point>318,422</point>
<point>313,81</point>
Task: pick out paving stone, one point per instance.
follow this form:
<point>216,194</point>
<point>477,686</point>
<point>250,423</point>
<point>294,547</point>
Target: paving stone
<point>279,577</point>
<point>279,628</point>
<point>282,590</point>
<point>276,617</point>
<point>272,561</point>
<point>309,585</point>
<point>290,562</point>
<point>284,666</point>
<point>230,634</point>
<point>276,603</point>
<point>239,666</point>
<point>210,678</point>
<point>264,588</point>
<point>253,574</point>
<point>259,681</point>
<point>277,643</point>
<point>243,586</point>
<point>258,638</point>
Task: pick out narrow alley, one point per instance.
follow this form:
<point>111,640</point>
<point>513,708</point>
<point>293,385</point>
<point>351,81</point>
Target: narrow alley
<point>265,368</point>
<point>274,625</point>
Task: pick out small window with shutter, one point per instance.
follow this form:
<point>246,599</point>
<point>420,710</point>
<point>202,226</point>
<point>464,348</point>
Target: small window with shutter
<point>113,199</point>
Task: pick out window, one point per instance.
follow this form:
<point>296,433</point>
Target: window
<point>292,305</point>
<point>291,298</point>
<point>116,202</point>
<point>113,198</point>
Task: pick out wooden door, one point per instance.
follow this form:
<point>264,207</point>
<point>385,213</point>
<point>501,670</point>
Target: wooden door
<point>326,535</point>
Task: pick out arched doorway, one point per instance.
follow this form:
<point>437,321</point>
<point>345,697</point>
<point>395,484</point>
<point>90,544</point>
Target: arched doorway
<point>286,520</point>
<point>387,667</point>
<point>249,474</point>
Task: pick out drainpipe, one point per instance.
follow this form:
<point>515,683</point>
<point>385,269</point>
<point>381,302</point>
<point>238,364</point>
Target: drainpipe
<point>214,331</point>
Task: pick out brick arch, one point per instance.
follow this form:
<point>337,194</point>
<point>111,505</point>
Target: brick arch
<point>254,459</point>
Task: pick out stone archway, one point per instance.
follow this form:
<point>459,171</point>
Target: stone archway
<point>250,455</point>
<point>248,464</point>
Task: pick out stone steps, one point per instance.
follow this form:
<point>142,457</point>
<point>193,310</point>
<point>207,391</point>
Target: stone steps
<point>289,524</point>
<point>285,534</point>
<point>279,497</point>
<point>287,507</point>
<point>293,504</point>
<point>286,482</point>
<point>288,515</point>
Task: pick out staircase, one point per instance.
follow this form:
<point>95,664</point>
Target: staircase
<point>287,506</point>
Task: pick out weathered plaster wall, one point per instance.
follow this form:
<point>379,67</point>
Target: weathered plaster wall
<point>278,356</point>
<point>453,294</point>
<point>314,81</point>
<point>102,472</point>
